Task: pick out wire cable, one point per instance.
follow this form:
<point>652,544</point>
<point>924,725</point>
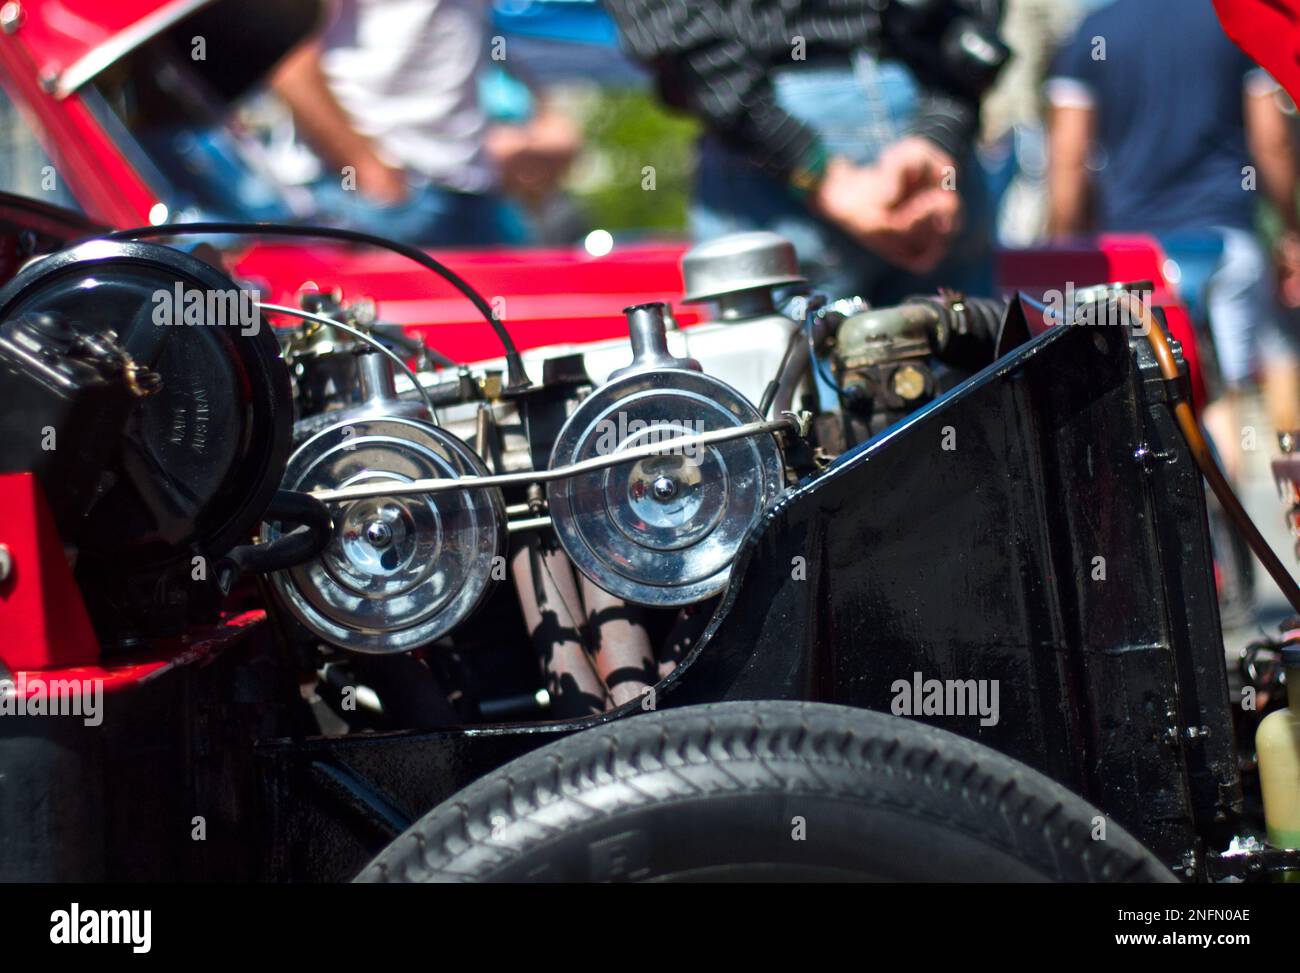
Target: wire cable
<point>356,333</point>
<point>788,422</point>
<point>516,377</point>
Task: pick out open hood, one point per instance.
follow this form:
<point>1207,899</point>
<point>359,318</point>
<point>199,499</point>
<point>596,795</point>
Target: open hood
<point>71,42</point>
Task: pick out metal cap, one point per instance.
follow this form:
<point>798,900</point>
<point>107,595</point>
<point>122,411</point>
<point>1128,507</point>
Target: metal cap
<point>739,262</point>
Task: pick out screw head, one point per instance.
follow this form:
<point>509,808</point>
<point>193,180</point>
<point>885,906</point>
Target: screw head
<point>379,533</point>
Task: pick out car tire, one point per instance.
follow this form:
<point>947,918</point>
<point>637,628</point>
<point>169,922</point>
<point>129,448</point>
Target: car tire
<point>765,791</point>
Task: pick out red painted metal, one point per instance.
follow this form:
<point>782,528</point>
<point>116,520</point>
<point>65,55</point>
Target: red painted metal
<point>121,674</point>
<point>1269,31</point>
<point>104,183</point>
<point>1111,258</point>
<point>65,34</point>
<point>544,296</point>
<point>42,616</point>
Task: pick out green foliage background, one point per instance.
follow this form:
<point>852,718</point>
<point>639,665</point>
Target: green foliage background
<point>627,130</point>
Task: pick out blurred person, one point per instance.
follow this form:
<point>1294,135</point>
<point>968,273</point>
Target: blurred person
<point>1013,137</point>
<point>1169,132</point>
<point>387,96</point>
<point>845,127</point>
<point>533,143</point>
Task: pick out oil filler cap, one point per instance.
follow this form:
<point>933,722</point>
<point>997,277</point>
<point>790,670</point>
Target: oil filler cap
<point>739,262</point>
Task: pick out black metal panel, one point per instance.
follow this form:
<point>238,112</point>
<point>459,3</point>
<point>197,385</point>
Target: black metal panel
<point>322,832</point>
<point>118,801</point>
<point>977,562</point>
<point>1192,600</point>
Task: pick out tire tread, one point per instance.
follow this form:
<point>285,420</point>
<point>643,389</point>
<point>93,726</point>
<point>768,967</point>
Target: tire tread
<point>737,748</point>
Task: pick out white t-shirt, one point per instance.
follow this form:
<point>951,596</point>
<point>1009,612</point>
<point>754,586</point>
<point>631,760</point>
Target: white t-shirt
<point>406,72</point>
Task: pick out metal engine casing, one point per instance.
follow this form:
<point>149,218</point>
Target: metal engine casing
<point>401,571</point>
<point>661,530</point>
<point>183,471</point>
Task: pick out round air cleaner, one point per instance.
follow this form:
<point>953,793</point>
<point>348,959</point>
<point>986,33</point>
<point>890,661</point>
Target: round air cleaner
<point>661,530</point>
<point>202,455</point>
<point>401,571</point>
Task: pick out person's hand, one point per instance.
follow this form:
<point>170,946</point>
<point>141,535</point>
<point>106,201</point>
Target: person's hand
<point>913,168</point>
<point>381,183</point>
<point>900,210</point>
<point>1287,255</point>
<point>533,159</point>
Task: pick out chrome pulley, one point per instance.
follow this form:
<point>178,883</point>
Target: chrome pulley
<point>663,529</point>
<point>400,571</point>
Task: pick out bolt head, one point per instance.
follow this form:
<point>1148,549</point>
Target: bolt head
<point>379,533</point>
<point>11,16</point>
<point>909,383</point>
<point>664,488</point>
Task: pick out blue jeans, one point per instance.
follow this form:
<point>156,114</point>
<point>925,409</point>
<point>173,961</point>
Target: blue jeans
<point>1225,278</point>
<point>858,109</point>
<point>430,216</point>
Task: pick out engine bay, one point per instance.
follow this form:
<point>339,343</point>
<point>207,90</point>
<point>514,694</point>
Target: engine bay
<point>445,563</point>
<point>541,536</point>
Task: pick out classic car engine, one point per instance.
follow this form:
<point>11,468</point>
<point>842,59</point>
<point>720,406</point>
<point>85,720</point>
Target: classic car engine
<point>597,498</point>
<point>523,545</point>
<point>332,551</point>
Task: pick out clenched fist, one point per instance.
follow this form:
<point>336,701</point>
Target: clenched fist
<point>905,207</point>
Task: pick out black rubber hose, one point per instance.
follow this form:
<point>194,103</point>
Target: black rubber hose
<point>973,329</point>
<point>792,348</point>
<point>516,377</point>
<point>302,544</point>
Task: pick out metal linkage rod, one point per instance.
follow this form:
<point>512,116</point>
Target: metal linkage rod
<point>788,421</point>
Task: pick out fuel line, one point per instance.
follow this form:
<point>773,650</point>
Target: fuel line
<point>1204,457</point>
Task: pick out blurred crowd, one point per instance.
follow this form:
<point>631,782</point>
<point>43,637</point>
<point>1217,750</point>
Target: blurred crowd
<point>402,122</point>
<point>896,144</point>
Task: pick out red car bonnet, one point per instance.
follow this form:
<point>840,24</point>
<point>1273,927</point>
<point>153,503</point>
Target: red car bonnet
<point>1269,31</point>
<point>72,40</point>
